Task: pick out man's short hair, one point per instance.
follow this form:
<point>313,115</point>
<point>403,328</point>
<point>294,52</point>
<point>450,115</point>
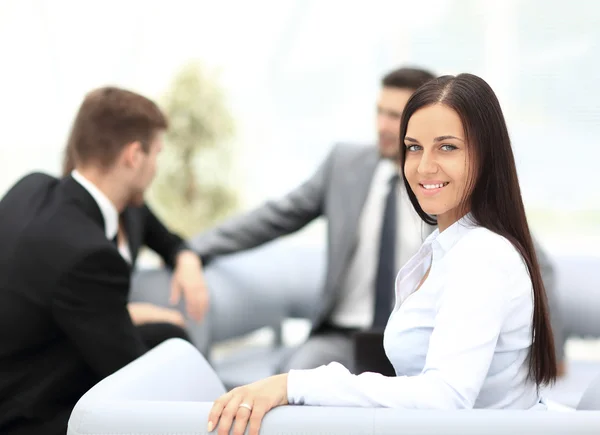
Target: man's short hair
<point>406,78</point>
<point>110,118</point>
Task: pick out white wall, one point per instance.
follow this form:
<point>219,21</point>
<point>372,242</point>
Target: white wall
<point>303,74</point>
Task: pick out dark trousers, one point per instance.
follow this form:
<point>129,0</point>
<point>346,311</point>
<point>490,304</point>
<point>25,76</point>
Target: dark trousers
<point>358,350</point>
<point>154,334</point>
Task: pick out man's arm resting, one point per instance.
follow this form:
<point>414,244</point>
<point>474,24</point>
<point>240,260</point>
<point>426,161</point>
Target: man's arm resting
<point>273,219</point>
<point>90,306</point>
<point>162,241</point>
<point>165,243</point>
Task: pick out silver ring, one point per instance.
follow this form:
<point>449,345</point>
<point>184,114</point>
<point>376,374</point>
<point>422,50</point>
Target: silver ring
<point>245,405</point>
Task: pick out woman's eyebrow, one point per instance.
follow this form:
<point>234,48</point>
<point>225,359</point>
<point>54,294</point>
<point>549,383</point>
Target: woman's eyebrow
<point>441,138</point>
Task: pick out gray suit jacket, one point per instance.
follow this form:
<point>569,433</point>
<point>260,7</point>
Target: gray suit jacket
<point>337,190</point>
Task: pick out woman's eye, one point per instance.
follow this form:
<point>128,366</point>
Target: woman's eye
<point>413,147</point>
<point>448,147</point>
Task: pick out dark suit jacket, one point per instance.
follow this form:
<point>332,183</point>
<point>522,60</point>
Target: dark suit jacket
<point>64,287</point>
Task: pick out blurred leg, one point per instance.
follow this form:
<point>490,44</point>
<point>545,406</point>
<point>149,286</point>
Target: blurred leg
<point>321,349</point>
<point>154,334</point>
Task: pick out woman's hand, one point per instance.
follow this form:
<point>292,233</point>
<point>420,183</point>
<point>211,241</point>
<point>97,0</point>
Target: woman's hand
<point>248,403</point>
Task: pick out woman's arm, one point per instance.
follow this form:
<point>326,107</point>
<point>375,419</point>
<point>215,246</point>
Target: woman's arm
<point>473,308</point>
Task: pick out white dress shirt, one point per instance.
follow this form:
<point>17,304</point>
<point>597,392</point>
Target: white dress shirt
<point>460,341</point>
<point>108,210</point>
<point>357,300</point>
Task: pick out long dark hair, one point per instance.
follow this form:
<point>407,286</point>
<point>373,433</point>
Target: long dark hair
<point>493,196</point>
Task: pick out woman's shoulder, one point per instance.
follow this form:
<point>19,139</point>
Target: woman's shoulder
<point>492,260</point>
<point>481,245</point>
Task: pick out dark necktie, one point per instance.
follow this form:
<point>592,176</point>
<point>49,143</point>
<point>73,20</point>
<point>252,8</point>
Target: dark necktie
<point>386,269</point>
<point>115,240</point>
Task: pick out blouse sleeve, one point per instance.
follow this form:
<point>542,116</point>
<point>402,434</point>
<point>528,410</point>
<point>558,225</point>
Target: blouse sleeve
<point>471,312</point>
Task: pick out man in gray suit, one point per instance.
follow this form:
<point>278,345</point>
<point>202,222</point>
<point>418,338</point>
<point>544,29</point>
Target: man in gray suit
<point>358,191</point>
<point>372,230</point>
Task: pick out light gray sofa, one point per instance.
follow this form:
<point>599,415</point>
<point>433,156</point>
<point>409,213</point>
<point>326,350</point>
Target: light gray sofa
<point>250,290</point>
<point>264,286</point>
<point>169,391</point>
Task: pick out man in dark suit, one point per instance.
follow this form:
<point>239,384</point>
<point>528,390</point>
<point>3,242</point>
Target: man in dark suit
<point>64,323</point>
<point>138,227</point>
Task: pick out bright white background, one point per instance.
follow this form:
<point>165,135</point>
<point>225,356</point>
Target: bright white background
<point>300,75</point>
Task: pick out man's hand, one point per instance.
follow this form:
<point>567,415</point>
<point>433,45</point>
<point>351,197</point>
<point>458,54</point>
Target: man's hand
<point>143,312</point>
<point>189,280</point>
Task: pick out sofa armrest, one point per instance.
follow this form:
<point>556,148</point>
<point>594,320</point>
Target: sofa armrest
<point>173,372</point>
<point>190,418</point>
<point>170,390</point>
<point>306,419</point>
<point>577,286</point>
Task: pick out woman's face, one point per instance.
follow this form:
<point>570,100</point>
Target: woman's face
<point>437,162</point>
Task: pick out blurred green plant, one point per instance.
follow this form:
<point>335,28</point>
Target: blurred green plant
<point>193,188</point>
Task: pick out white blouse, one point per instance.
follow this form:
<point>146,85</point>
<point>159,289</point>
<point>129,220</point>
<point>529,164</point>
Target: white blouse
<point>461,341</point>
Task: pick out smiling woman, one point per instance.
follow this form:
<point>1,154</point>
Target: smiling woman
<point>470,326</point>
<point>437,163</point>
<point>454,129</point>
